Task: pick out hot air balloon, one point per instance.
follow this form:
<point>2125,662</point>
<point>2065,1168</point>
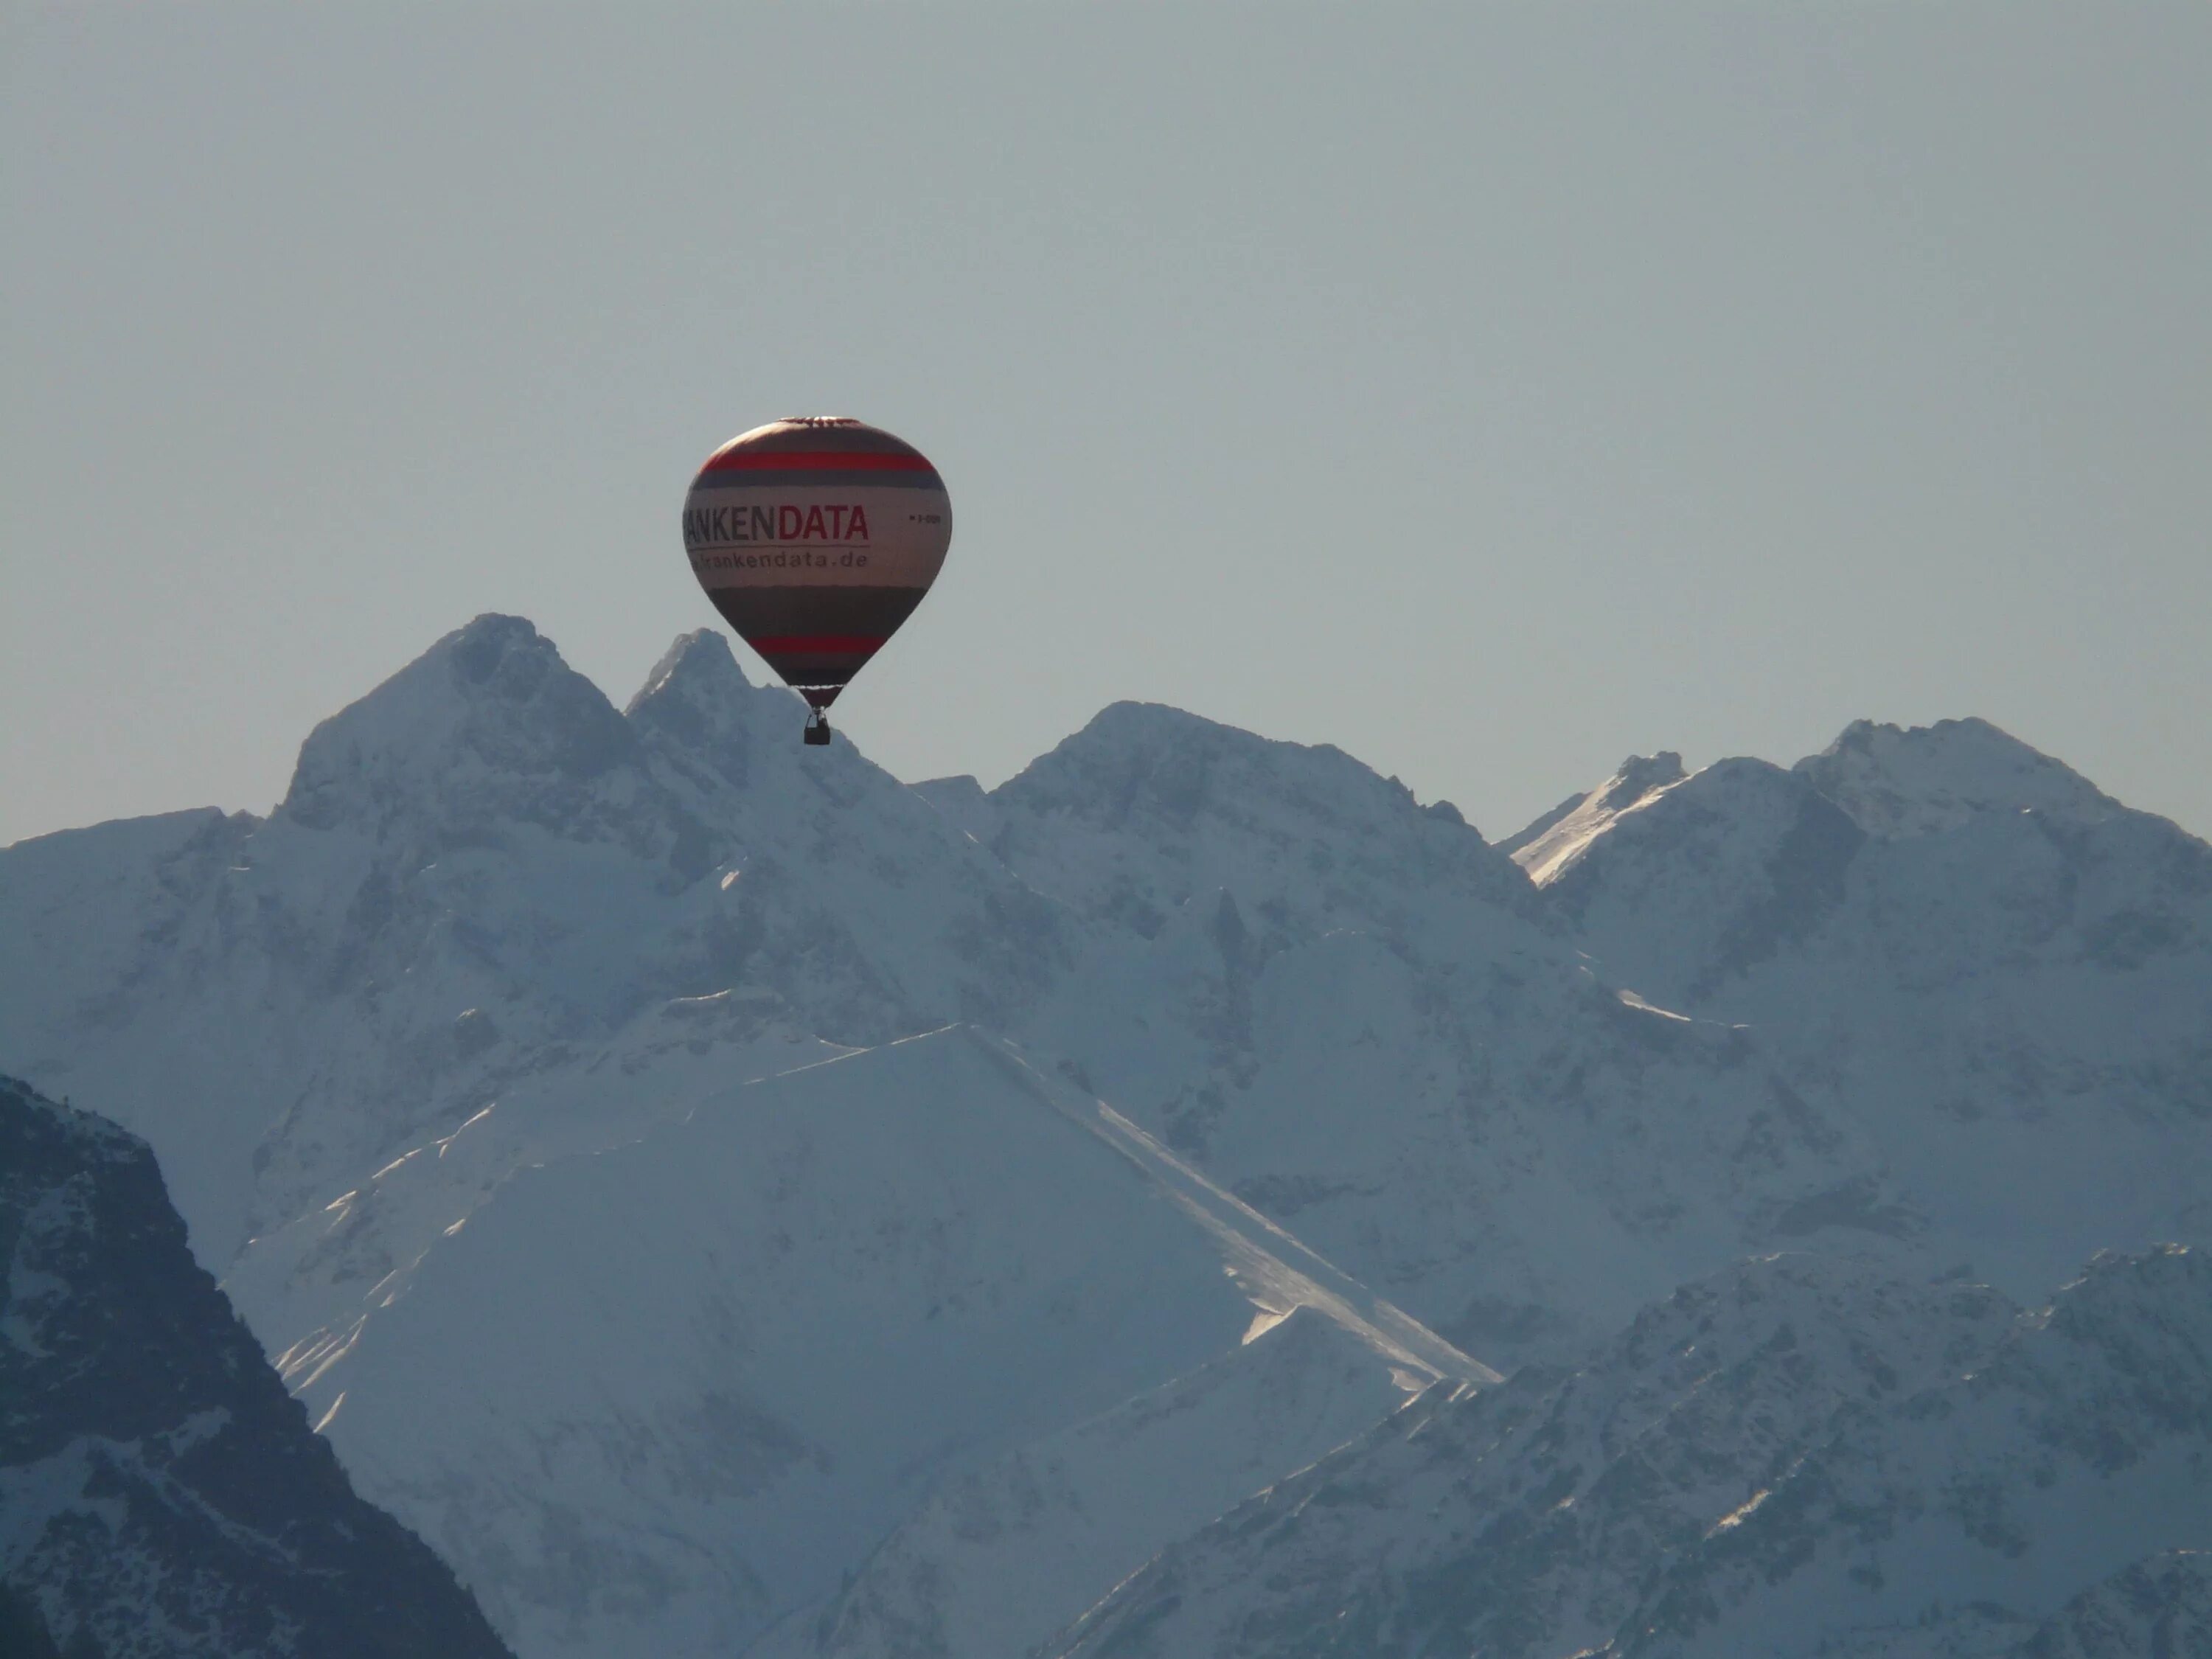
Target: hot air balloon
<point>815,538</point>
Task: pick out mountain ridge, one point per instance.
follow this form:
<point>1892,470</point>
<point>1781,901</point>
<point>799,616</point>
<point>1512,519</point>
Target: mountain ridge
<point>503,940</point>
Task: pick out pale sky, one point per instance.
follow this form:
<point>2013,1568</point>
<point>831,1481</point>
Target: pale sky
<point>1491,391</point>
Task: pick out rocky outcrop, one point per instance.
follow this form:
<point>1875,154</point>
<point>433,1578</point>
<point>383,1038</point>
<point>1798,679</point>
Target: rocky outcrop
<point>159,1494</point>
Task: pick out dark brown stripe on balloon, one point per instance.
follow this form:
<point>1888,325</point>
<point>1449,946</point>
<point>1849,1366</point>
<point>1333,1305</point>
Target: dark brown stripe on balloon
<point>813,644</point>
<point>843,478</point>
<point>753,460</point>
<point>791,610</point>
<point>803,668</point>
<point>815,639</point>
<point>816,667</point>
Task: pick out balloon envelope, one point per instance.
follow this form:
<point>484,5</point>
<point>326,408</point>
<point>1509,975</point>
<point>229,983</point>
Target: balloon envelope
<point>815,538</point>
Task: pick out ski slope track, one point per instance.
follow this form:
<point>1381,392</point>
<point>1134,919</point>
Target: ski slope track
<point>722,1197</point>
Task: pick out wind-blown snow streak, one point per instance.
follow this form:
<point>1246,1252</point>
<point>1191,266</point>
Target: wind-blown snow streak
<point>1275,1270</point>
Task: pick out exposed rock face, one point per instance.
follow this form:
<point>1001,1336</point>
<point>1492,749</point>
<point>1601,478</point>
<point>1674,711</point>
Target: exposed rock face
<point>2081,1443</point>
<point>2160,1608</point>
<point>159,1494</point>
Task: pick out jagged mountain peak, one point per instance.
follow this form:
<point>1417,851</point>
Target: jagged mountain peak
<point>696,665</point>
<point>1698,879</point>
<point>1138,760</point>
<point>1552,843</point>
<point>1894,782</point>
<point>1899,781</point>
<point>698,709</point>
<point>1956,846</point>
<point>1639,774</point>
<point>492,703</point>
<point>704,721</point>
<point>1147,805</point>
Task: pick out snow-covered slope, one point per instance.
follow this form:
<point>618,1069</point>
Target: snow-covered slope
<point>998,1559</point>
<point>2080,1445</point>
<point>1525,1523</point>
<point>2161,1607</point>
<point>1552,843</point>
<point>665,1393</point>
<point>1799,1457</point>
<point>159,1496</point>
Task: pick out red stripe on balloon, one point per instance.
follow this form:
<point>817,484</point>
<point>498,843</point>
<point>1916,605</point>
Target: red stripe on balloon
<point>824,644</point>
<point>813,460</point>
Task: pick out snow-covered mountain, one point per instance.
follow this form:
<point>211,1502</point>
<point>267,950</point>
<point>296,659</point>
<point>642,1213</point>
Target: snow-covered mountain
<point>1364,1020</point>
<point>1896,783</point>
<point>707,1370</point>
<point>160,1496</point>
<point>2080,1445</point>
<point>484,877</point>
<point>1800,1456</point>
<point>1526,1520</point>
<point>711,1190</point>
<point>2002,980</point>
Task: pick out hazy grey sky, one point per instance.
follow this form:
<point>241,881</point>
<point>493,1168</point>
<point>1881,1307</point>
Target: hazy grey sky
<point>1490,390</point>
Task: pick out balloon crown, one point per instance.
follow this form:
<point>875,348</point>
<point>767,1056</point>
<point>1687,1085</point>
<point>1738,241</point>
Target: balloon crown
<point>818,420</point>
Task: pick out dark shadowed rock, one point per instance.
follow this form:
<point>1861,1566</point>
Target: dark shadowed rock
<point>159,1494</point>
